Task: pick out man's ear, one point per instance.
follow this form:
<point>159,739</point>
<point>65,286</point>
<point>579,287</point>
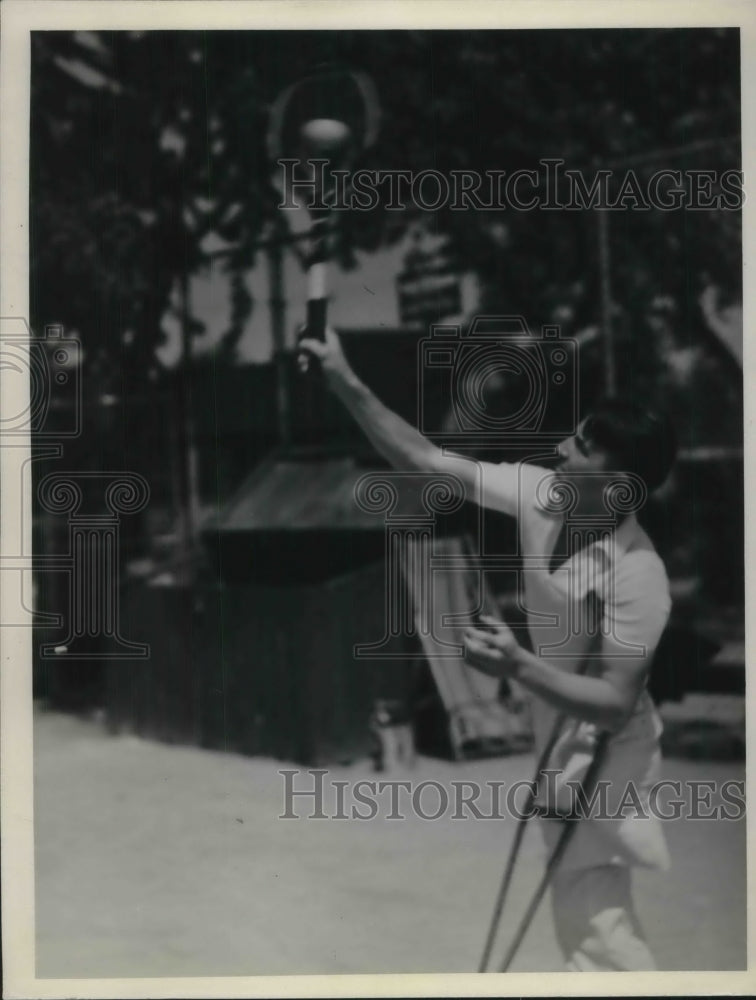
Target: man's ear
<point>624,493</point>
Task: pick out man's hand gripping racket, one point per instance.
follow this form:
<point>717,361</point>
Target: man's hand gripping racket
<point>327,351</point>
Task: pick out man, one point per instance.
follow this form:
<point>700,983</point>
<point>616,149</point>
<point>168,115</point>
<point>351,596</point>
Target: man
<point>595,677</point>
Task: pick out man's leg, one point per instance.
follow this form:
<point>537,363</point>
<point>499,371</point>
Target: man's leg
<point>595,921</point>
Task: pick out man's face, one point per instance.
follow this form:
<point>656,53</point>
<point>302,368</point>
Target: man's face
<point>580,462</point>
<point>578,454</point>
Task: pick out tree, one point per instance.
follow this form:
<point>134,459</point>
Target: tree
<point>145,143</point>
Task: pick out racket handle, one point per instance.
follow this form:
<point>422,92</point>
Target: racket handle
<point>316,300</point>
<point>316,318</point>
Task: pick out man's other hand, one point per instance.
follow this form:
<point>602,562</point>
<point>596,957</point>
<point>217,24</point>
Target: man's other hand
<point>493,650</point>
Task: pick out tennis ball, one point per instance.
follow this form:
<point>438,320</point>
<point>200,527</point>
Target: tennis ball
<point>325,134</point>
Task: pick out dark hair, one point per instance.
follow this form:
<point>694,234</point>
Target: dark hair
<point>639,439</point>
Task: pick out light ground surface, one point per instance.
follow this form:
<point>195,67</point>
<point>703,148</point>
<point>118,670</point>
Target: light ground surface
<point>156,860</point>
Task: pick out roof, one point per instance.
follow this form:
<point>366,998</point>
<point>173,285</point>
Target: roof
<point>293,493</point>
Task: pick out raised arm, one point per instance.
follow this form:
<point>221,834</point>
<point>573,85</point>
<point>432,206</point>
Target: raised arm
<point>406,449</point>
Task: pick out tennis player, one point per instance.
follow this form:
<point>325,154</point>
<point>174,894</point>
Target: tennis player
<point>595,676</point>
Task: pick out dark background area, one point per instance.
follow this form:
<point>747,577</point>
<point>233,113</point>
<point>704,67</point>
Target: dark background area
<point>144,144</point>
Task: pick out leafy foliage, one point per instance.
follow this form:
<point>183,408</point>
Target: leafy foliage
<point>146,143</point>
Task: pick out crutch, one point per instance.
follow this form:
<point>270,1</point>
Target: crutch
<point>564,840</point>
<point>517,843</point>
<point>588,786</point>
